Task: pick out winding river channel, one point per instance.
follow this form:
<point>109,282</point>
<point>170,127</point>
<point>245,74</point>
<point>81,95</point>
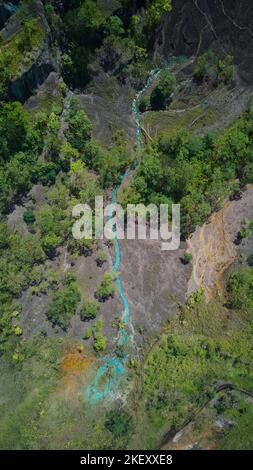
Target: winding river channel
<point>112,367</point>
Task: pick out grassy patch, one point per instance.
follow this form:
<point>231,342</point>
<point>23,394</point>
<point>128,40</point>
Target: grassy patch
<point>42,399</point>
<point>166,121</point>
<point>204,346</point>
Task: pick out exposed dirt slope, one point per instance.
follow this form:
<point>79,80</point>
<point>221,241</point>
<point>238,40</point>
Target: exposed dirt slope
<point>212,245</point>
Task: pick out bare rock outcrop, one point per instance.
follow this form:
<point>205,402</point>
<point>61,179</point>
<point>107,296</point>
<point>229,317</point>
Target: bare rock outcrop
<point>194,26</point>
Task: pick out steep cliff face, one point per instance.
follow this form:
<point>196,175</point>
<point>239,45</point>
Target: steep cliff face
<point>6,10</point>
<point>193,26</point>
<point>36,65</point>
<point>37,73</point>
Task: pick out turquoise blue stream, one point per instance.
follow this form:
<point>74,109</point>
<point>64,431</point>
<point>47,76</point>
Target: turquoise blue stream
<point>114,367</point>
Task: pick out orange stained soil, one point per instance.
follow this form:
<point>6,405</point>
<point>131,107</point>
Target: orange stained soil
<point>74,366</point>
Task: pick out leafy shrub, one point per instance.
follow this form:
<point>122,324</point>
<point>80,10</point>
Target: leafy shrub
<point>18,331</point>
<point>68,154</point>
<point>143,104</point>
<point>114,27</point>
<point>200,70</point>
<point>50,242</point>
<point>88,332</point>
<point>101,258</point>
<point>106,289</point>
<point>156,9</point>
<point>244,233</point>
<point>239,288</point>
<point>53,224</point>
<point>119,423</point>
<point>219,68</point>
<point>100,342</point>
<point>45,172</point>
<point>196,297</point>
<point>29,217</point>
<point>247,173</point>
<point>15,127</point>
<point>79,131</point>
<point>161,95</point>
<point>89,310</point>
<point>83,247</point>
<point>203,64</point>
<point>186,258</point>
<point>225,69</point>
<point>64,305</point>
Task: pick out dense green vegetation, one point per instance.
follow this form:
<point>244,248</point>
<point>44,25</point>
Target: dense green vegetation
<point>212,68</point>
<point>84,151</point>
<point>21,140</point>
<point>196,171</point>
<point>240,436</point>
<point>118,33</point>
<point>64,170</point>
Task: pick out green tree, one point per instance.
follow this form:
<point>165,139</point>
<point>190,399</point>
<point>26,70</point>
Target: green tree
<point>120,423</point>
<point>114,27</point>
<point>161,96</point>
<point>143,104</point>
<point>29,217</point>
<point>64,305</point>
<point>156,8</point>
<point>201,68</point>
<point>100,342</point>
<point>45,172</point>
<point>79,130</point>
<point>225,69</point>
<point>50,243</point>
<point>89,310</point>
<point>67,155</point>
<point>106,289</point>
